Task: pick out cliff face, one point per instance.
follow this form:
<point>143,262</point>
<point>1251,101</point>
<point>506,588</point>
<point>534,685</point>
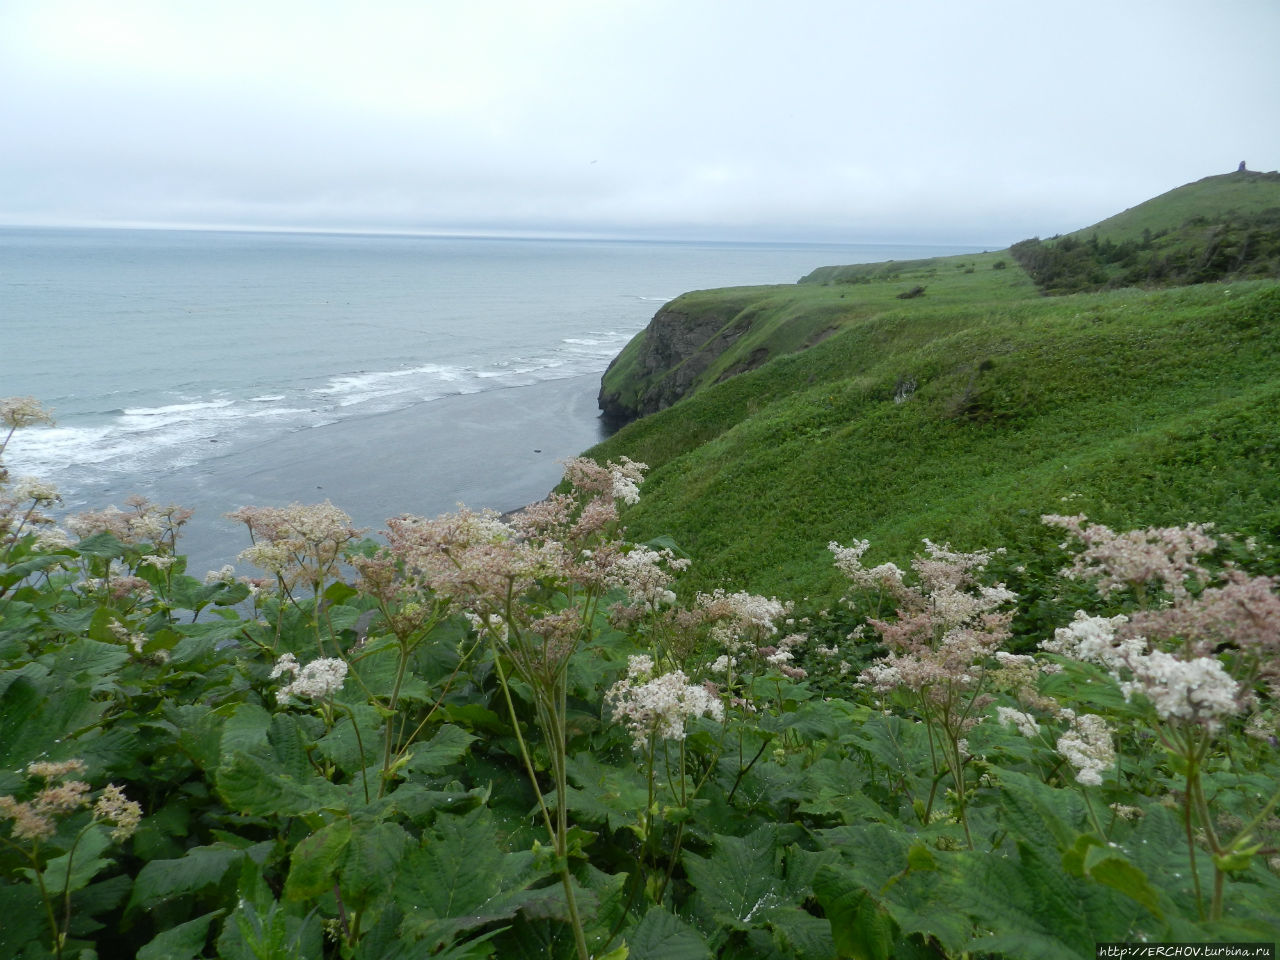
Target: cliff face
<point>666,360</point>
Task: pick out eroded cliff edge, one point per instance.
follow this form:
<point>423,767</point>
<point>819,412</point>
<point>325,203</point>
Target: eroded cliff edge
<point>706,336</point>
<point>669,358</point>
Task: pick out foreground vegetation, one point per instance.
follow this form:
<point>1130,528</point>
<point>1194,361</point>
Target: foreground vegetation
<point>527,738</point>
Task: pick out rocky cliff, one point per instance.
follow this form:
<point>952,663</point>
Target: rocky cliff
<point>670,357</point>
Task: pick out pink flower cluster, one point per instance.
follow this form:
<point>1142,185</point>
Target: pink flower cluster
<point>300,544</point>
<point>1163,556</point>
<point>947,626</point>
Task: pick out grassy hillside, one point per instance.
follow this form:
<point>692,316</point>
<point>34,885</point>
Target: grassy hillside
<point>964,414</point>
<point>1243,193</point>
<point>708,336</point>
<point>1218,228</point>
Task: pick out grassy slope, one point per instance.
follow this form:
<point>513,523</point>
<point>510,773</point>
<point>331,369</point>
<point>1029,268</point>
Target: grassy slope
<point>1141,407</point>
<point>1132,406</point>
<point>787,318</point>
<point>1240,193</point>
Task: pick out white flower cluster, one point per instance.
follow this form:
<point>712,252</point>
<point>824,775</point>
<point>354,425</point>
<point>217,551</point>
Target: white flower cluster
<point>721,664</point>
<point>645,574</point>
<point>743,619</point>
<point>1093,640</point>
<point>226,575</point>
<point>33,488</point>
<point>135,641</point>
<point>1087,747</point>
<point>626,478</point>
<point>1025,722</point>
<point>317,680</point>
<point>659,705</point>
<point>1199,690</point>
<point>848,560</point>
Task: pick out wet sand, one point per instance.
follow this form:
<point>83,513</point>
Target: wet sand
<point>499,449</point>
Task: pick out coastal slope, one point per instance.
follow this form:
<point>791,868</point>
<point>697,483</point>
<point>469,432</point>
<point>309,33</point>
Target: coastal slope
<point>945,398</point>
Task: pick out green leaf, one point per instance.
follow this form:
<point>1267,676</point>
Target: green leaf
<point>447,746</point>
<point>184,942</point>
<point>602,793</point>
<point>244,729</point>
<point>199,732</point>
<point>462,879</point>
<point>254,785</point>
<point>370,862</point>
<point>314,861</point>
<point>836,787</point>
<point>198,869</point>
<point>352,749</point>
<point>73,622</point>
<point>1108,865</point>
<point>1047,817</point>
<point>740,880</point>
<point>102,545</point>
<point>270,932</point>
<point>1035,908</point>
<point>800,934</point>
<point>15,572</point>
<point>823,719</point>
<point>861,928</point>
<point>288,747</point>
<point>24,918</point>
<point>663,936</point>
<point>83,861</point>
<point>86,659</point>
<point>875,858</point>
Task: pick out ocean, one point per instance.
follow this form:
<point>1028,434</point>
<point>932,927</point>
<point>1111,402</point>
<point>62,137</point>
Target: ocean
<point>389,374</point>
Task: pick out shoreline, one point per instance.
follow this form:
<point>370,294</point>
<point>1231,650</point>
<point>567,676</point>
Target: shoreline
<point>500,449</point>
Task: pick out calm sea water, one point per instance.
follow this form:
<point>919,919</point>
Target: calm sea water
<point>165,352</point>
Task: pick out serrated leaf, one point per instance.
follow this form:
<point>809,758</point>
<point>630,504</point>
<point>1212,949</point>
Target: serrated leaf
<point>102,545</point>
<point>314,861</point>
<point>244,729</point>
<point>199,733</point>
<point>83,861</point>
<point>603,793</point>
<point>447,746</point>
<point>739,881</point>
<point>461,879</point>
<point>252,785</point>
<point>1034,907</point>
<point>835,787</point>
<point>24,918</point>
<point>874,859</point>
<point>822,719</point>
<point>198,869</point>
<point>662,935</point>
<point>860,928</point>
<point>370,861</point>
<point>72,622</point>
<point>288,748</point>
<point>89,659</point>
<point>1047,817</point>
<point>802,935</point>
<point>1110,866</point>
<point>183,942</point>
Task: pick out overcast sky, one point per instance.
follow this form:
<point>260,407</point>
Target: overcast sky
<point>850,120</point>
